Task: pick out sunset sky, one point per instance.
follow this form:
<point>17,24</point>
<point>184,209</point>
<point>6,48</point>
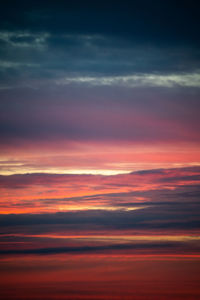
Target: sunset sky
<point>99,150</point>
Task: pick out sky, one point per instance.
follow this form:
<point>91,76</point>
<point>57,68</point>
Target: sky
<point>99,150</point>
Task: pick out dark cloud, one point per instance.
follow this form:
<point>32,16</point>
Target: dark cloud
<point>55,41</point>
<point>164,216</point>
<point>94,249</point>
<point>181,178</point>
<point>140,20</point>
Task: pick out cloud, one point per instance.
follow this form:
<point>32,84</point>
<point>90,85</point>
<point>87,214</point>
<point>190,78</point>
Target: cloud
<point>119,19</point>
<point>171,80</point>
<point>24,39</point>
<point>34,59</point>
<point>95,249</point>
<point>42,192</point>
<point>159,217</point>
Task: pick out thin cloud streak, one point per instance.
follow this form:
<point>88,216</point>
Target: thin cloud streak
<point>142,80</point>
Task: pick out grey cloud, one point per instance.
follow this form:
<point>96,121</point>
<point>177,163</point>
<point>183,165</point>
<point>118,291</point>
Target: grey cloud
<point>92,249</point>
<point>95,59</point>
<point>165,216</point>
<point>23,39</point>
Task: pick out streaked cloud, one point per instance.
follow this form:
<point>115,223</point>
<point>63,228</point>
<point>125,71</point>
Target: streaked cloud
<point>151,80</point>
<point>24,39</point>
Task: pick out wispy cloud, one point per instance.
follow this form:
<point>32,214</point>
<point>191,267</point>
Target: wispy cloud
<point>145,80</point>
